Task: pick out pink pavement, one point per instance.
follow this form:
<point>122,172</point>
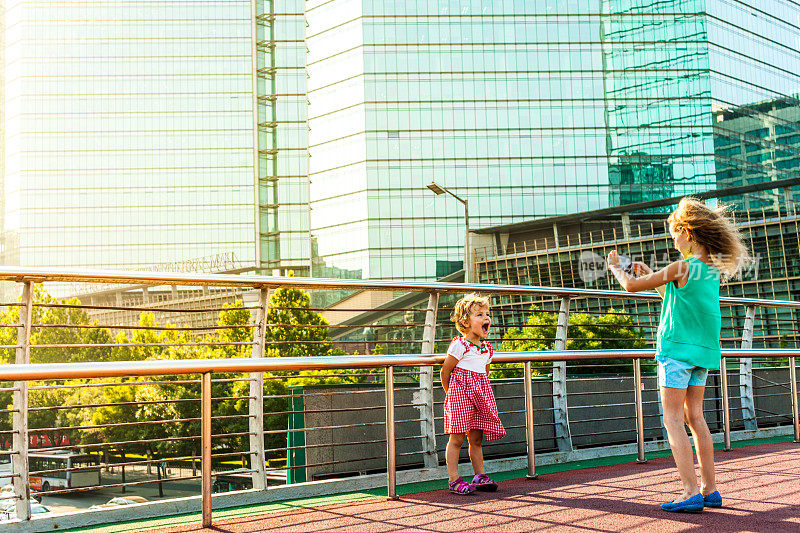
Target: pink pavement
<point>760,486</point>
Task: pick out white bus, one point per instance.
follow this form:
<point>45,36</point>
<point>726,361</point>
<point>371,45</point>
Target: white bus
<point>39,463</point>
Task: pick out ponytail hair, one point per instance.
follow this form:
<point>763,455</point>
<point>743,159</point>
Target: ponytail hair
<point>713,229</point>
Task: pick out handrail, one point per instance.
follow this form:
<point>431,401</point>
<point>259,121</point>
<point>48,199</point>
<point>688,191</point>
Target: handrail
<point>25,372</point>
<point>35,274</point>
<point>58,371</point>
<point>256,366</point>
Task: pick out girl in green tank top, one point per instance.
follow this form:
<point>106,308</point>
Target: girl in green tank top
<point>690,323</point>
<point>687,342</point>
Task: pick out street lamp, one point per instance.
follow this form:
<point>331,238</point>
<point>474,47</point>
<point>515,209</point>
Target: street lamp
<point>438,189</point>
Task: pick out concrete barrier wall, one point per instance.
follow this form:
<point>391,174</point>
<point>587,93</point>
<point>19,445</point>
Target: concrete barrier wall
<point>343,441</point>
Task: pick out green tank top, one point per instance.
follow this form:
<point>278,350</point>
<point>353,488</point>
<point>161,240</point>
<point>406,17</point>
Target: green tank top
<point>690,323</point>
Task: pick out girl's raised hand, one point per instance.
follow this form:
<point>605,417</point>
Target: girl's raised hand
<point>641,269</point>
<point>613,259</point>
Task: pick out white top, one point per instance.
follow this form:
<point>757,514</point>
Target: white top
<point>471,357</point>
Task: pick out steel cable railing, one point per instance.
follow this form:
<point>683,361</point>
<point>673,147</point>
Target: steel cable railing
<point>207,367</point>
<point>267,411</point>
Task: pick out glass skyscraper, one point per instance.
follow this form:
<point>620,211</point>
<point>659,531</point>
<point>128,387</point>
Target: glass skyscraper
<point>129,132</point>
<point>282,135</point>
<point>301,136</point>
<point>525,108</point>
<point>754,51</point>
<point>131,135</point>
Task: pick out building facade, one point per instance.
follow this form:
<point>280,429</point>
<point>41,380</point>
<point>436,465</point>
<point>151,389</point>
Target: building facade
<point>756,144</point>
<point>131,138</point>
<point>525,109</point>
<point>129,133</point>
<point>301,135</point>
<point>570,252</point>
<point>282,131</point>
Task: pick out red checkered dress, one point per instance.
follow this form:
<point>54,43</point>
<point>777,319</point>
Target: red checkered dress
<point>470,404</point>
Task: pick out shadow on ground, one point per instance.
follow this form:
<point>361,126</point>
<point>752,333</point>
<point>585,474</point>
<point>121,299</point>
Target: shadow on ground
<point>760,486</point>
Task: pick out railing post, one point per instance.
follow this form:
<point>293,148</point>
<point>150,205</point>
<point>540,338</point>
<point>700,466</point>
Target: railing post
<point>795,409</point>
<point>256,404</point>
<point>529,433</point>
<point>391,487</point>
<point>746,373</point>
<point>19,459</point>
<point>426,381</point>
<point>560,414</point>
<point>205,422</point>
<point>637,386</point>
<point>726,408</point>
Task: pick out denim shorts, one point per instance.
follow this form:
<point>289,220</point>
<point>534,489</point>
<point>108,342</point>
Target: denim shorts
<point>679,375</point>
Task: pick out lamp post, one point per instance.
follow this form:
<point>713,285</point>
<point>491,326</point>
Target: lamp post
<point>438,189</point>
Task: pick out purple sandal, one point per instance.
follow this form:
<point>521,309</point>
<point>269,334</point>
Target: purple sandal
<point>460,486</point>
<point>484,483</point>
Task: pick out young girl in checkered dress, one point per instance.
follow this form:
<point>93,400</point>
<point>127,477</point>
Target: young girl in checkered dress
<point>469,407</point>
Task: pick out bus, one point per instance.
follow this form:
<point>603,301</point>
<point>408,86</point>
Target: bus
<point>42,479</point>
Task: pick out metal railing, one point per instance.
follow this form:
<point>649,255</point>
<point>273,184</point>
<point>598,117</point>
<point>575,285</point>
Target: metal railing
<point>205,368</point>
<point>422,380</point>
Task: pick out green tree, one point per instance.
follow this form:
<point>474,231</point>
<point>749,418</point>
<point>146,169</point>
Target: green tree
<point>157,405</point>
<point>44,419</point>
<point>235,388</point>
<point>65,330</point>
<point>293,329</point>
<point>611,331</point>
<point>160,404</point>
<point>138,410</point>
<point>59,333</point>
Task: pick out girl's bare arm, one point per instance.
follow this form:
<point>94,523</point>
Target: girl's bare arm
<point>449,364</point>
<point>677,271</point>
<point>642,269</point>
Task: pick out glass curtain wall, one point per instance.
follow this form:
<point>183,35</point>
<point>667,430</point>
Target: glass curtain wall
<point>282,136</point>
<point>525,109</point>
<point>129,139</point>
<point>658,97</point>
<point>754,53</point>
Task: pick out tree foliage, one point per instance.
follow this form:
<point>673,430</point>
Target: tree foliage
<point>159,415</point>
<point>64,317</point>
<point>288,309</point>
<point>611,331</point>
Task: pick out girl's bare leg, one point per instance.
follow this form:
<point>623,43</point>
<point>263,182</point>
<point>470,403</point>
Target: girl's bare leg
<point>693,412</point>
<point>451,455</point>
<point>475,438</point>
<point>673,401</point>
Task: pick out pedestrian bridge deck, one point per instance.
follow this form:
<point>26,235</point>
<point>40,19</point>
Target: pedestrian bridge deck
<point>760,485</point>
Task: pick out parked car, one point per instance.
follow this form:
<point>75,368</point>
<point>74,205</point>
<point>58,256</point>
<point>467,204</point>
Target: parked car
<point>8,509</point>
<point>8,490</point>
<point>120,501</point>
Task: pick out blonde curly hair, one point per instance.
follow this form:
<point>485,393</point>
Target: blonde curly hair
<point>464,307</point>
<point>713,229</point>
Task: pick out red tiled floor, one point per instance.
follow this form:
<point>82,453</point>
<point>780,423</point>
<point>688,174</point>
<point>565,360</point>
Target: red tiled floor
<point>760,486</point>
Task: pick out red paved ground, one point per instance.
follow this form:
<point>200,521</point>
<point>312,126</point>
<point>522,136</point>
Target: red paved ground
<point>760,486</point>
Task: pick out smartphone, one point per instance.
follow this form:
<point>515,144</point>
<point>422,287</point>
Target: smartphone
<point>626,264</point>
